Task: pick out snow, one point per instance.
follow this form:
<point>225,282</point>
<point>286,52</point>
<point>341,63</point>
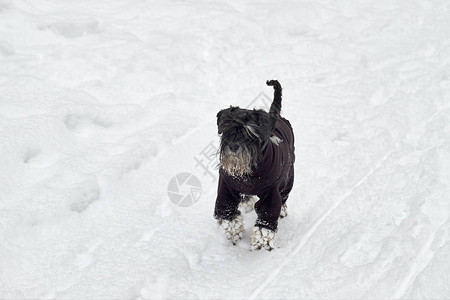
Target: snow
<point>103,103</point>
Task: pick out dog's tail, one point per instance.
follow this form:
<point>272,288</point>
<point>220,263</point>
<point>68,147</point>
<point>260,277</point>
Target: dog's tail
<point>275,108</point>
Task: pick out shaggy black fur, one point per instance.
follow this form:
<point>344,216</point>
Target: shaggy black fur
<point>244,129</point>
<point>252,164</point>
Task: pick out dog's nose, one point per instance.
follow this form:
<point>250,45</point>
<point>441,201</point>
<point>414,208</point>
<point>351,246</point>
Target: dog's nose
<point>234,147</point>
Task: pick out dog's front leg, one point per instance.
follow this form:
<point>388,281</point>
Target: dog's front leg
<point>227,214</point>
<point>234,229</point>
<point>268,210</point>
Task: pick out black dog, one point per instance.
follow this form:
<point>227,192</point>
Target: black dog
<point>256,158</point>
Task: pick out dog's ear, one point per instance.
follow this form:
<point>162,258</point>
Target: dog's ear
<point>224,116</point>
<point>221,118</point>
<point>266,122</point>
<point>220,121</point>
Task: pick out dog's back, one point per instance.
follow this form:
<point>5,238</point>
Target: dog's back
<point>283,130</point>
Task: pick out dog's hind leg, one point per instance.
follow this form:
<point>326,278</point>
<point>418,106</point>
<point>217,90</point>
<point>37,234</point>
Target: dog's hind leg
<point>286,191</point>
<point>247,203</point>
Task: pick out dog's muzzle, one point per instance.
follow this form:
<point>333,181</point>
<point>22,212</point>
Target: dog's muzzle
<point>234,147</point>
<point>236,161</point>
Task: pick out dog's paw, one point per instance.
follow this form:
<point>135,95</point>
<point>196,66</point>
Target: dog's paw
<point>234,229</point>
<point>263,238</point>
<point>248,203</point>
<point>283,213</point>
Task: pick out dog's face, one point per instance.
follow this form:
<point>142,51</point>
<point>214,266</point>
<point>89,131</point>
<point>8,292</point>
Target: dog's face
<point>244,134</point>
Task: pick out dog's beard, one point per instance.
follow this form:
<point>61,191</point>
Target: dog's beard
<point>240,163</point>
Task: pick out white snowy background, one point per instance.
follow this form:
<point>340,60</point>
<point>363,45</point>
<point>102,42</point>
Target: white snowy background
<point>103,102</point>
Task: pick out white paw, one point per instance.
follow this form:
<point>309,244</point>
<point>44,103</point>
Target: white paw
<point>263,238</point>
<point>234,229</point>
<point>248,203</point>
<point>283,213</point>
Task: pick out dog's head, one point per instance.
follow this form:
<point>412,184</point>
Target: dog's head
<point>244,135</point>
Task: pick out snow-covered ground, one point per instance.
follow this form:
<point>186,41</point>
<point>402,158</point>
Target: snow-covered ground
<point>103,103</point>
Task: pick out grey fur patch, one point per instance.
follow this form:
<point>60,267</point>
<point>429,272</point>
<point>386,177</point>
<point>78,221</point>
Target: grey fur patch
<point>276,140</point>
